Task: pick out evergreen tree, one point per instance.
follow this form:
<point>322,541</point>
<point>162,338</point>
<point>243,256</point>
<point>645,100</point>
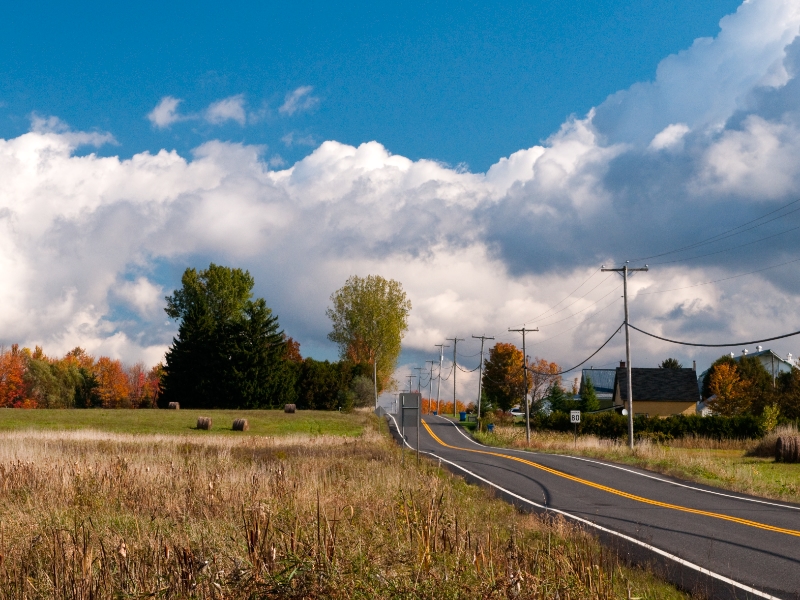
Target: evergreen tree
<point>559,400</point>
<point>229,351</point>
<point>589,401</point>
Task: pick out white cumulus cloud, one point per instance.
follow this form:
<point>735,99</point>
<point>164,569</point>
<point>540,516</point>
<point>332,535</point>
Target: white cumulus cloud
<point>299,100</point>
<point>165,113</point>
<point>227,109</point>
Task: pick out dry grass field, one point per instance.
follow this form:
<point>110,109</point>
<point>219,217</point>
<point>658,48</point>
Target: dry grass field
<point>103,514</point>
<point>744,466</point>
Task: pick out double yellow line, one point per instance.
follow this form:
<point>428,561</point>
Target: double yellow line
<point>617,492</point>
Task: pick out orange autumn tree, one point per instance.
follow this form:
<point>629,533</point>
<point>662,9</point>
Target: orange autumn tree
<point>543,376</point>
<point>13,392</point>
<point>113,386</point>
<point>503,376</point>
<point>730,391</point>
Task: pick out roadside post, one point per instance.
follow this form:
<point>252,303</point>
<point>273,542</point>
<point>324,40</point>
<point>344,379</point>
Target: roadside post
<point>411,413</point>
<point>575,418</point>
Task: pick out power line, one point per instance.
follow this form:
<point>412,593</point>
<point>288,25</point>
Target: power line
<point>567,296</point>
<point>583,362</point>
<point>769,237</point>
<point>658,337</point>
<point>716,238</point>
<point>593,315</point>
<point>723,279</point>
<point>583,309</point>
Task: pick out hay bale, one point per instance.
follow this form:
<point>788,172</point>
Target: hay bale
<point>174,406</point>
<point>787,449</point>
<point>241,425</point>
<point>289,408</point>
<point>204,422</point>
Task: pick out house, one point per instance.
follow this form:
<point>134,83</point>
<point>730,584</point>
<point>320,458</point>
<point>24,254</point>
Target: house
<point>657,392</point>
<point>774,364</point>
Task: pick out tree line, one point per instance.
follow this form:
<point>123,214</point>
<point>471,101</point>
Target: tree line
<point>230,352</point>
<point>30,379</point>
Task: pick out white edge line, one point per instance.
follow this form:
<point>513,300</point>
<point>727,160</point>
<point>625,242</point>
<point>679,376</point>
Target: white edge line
<point>677,559</point>
<point>605,464</point>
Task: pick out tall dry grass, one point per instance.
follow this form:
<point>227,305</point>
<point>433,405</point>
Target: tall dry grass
<point>88,515</point>
<point>739,465</point>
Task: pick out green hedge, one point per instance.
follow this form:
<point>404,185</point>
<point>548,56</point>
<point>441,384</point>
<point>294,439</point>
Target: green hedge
<point>613,425</point>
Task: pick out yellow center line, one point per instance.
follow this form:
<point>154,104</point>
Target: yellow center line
<point>617,492</point>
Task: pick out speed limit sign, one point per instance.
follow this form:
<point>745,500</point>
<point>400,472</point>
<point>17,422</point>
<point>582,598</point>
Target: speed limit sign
<point>574,416</point>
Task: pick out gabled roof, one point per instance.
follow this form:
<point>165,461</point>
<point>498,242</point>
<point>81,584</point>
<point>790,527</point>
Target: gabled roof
<point>602,379</point>
<point>668,385</point>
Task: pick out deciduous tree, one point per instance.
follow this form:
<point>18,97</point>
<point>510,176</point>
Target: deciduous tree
<point>370,317</point>
<point>503,376</point>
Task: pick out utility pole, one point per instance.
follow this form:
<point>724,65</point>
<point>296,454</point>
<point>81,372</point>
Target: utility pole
<point>482,338</point>
<point>430,385</point>
<point>441,348</point>
<point>525,397</point>
<point>419,378</point>
<point>410,379</point>
<point>455,368</point>
<point>625,270</point>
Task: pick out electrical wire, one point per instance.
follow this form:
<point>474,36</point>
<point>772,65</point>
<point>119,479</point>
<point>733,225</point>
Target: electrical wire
<point>583,309</point>
<point>565,297</point>
<point>592,316</point>
<point>668,262</point>
<point>723,279</point>
<point>658,337</point>
<point>460,368</point>
<point>723,235</point>
<point>588,359</point>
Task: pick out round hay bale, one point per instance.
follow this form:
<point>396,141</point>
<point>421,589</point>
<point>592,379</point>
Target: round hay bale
<point>787,449</point>
<point>204,423</point>
<point>174,406</point>
<point>241,425</point>
<point>289,408</point>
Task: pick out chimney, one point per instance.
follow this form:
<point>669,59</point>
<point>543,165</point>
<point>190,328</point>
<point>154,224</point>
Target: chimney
<point>622,364</point>
<point>694,365</point>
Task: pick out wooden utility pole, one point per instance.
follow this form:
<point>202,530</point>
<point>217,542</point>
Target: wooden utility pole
<point>482,338</point>
<point>525,373</point>
<point>625,270</point>
<point>455,368</point>
<point>441,348</point>
<point>430,385</point>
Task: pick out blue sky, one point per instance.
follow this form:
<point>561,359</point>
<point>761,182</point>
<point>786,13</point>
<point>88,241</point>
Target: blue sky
<point>459,82</point>
<point>490,158</point>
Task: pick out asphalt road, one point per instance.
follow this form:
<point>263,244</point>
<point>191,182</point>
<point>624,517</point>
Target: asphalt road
<point>716,543</point>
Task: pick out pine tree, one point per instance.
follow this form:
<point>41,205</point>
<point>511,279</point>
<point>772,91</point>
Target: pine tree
<point>589,401</point>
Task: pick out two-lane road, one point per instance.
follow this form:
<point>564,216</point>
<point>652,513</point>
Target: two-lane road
<point>718,542</point>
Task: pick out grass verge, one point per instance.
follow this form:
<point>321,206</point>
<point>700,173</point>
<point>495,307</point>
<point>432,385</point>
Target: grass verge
<point>89,513</point>
<point>730,464</point>
<point>153,421</point>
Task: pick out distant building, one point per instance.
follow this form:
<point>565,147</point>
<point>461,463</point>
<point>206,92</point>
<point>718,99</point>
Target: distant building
<point>774,364</point>
<point>602,380</point>
<point>658,392</point>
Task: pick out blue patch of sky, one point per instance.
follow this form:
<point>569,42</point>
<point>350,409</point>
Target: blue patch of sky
<point>461,82</point>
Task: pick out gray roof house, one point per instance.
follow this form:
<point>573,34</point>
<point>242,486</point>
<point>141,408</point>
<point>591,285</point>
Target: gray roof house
<point>658,392</point>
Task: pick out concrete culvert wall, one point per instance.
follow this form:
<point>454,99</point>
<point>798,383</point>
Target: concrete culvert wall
<point>289,408</point>
<point>787,449</point>
<point>204,422</point>
<point>241,425</point>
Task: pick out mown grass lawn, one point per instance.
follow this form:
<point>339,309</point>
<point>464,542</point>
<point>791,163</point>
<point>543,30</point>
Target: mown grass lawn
<point>155,421</point>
